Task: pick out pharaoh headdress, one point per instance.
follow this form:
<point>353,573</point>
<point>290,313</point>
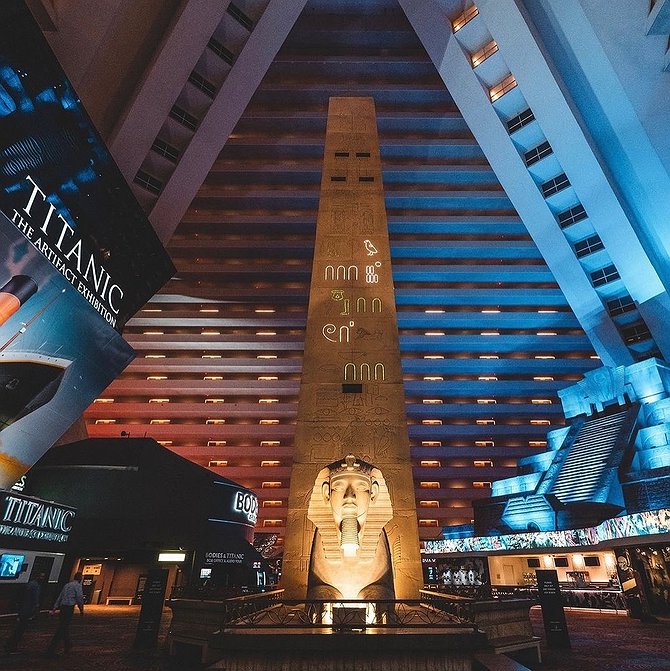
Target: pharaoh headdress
<point>379,512</point>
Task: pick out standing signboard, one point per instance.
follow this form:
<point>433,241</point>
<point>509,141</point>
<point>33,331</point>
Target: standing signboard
<point>153,599</point>
<point>553,615</point>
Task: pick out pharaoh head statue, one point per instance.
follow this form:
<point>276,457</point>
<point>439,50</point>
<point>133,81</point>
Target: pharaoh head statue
<point>350,504</point>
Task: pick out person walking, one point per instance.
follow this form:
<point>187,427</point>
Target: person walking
<point>28,611</point>
<point>70,596</point>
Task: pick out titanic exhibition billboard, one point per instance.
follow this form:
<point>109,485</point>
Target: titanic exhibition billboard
<point>77,256</point>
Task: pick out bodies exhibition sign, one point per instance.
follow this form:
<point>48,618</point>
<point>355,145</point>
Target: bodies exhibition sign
<point>77,255</point>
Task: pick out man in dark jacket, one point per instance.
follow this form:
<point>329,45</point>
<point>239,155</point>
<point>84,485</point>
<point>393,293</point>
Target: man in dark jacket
<point>70,596</point>
<point>28,610</point>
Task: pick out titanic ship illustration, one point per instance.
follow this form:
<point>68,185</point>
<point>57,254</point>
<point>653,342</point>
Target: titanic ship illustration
<point>28,379</point>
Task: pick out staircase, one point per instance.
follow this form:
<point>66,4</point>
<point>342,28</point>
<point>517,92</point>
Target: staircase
<point>582,476</point>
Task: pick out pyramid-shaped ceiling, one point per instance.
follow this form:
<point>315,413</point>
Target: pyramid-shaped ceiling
<point>487,337</point>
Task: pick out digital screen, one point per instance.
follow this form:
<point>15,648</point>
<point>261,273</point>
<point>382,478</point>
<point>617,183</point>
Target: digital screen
<point>457,572</point>
<point>10,565</point>
<point>631,526</point>
<point>78,257</point>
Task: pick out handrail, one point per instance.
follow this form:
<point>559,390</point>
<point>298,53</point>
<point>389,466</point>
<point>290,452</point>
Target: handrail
<point>218,594</point>
<point>256,595</point>
<point>347,614</point>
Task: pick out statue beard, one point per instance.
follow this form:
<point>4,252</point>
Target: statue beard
<point>349,533</point>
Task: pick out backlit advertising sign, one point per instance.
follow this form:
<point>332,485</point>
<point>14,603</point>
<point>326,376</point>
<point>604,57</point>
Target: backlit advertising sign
<point>77,255</point>
<point>56,353</point>
<point>234,504</point>
<point>29,518</point>
<point>59,185</point>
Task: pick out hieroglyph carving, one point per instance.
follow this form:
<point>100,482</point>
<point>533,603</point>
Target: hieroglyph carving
<point>333,334</point>
<point>365,372</point>
<point>371,275</point>
<point>340,273</point>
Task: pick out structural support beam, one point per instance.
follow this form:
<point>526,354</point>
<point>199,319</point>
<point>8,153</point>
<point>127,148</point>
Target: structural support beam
<point>470,96</point>
<point>191,30</point>
<point>225,111</point>
<point>658,22</point>
<point>517,45</point>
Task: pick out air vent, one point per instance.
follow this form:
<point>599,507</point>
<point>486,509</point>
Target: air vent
<point>604,275</point>
<point>571,216</point>
<point>588,246</point>
<point>619,306</point>
<point>520,120</point>
<point>555,185</point>
<point>537,153</point>
<point>202,84</point>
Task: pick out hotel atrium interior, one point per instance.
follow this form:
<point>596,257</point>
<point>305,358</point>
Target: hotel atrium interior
<point>524,155</point>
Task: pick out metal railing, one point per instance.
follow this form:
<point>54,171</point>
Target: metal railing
<point>346,615</point>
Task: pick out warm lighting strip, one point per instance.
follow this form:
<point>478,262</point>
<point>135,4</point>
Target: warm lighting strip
<point>464,18</point>
<point>501,89</point>
<point>480,56</point>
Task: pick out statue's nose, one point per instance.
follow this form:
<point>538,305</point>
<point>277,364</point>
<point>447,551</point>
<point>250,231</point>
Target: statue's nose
<point>350,493</point>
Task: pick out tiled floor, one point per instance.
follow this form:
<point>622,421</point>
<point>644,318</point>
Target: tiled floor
<point>103,641</point>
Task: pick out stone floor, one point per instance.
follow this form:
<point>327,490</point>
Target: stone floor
<point>103,640</point>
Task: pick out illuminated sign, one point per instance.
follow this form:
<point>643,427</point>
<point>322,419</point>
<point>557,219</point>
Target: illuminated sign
<point>92,569</point>
<point>171,556</point>
<point>233,504</point>
<point>34,519</point>
<point>224,557</point>
<point>56,354</point>
<point>57,239</point>
<point>627,526</point>
<point>59,184</point>
<point>247,503</point>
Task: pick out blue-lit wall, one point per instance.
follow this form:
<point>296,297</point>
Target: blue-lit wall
<point>633,472</point>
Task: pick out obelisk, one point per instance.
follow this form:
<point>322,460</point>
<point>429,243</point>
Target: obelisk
<point>351,395</point>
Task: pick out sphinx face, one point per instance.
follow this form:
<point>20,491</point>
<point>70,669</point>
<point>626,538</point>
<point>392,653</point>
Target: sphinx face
<point>350,494</point>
